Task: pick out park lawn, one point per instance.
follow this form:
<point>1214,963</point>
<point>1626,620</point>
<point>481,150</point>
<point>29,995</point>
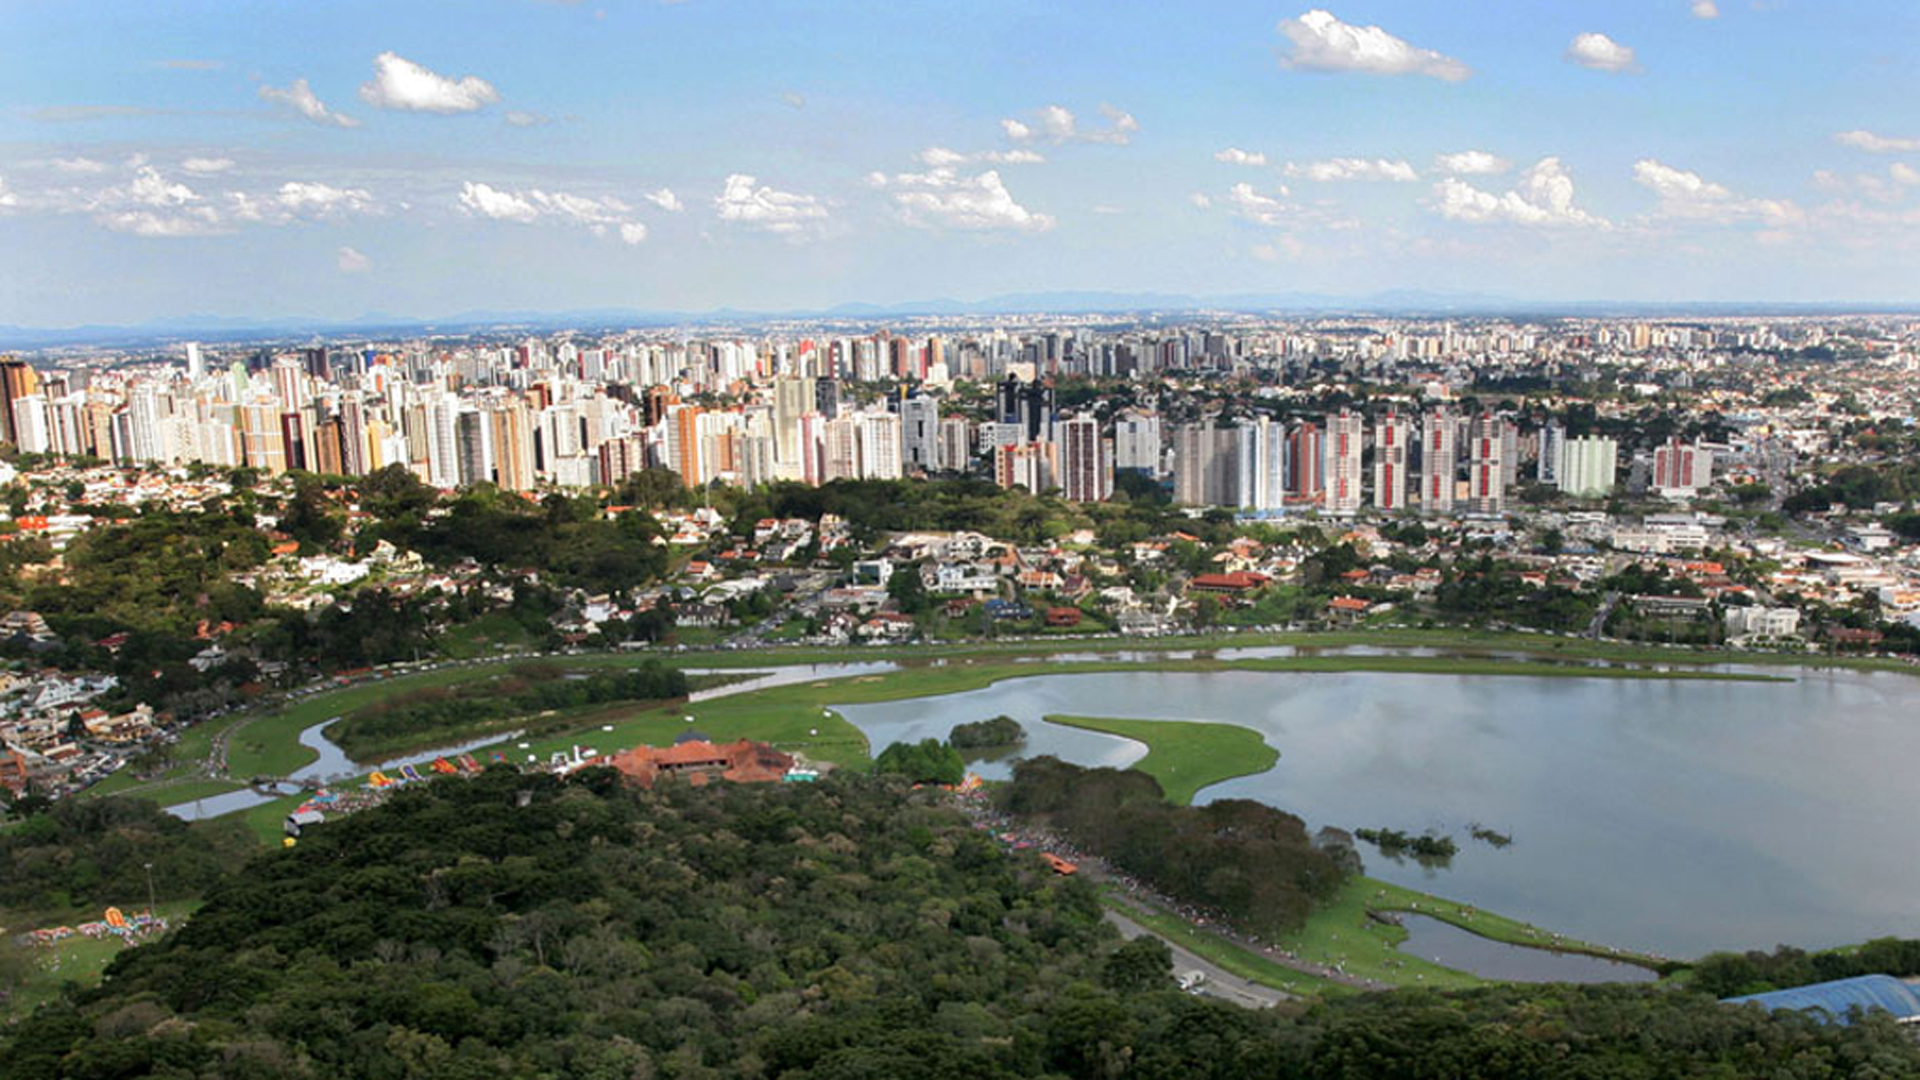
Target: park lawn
<point>1384,896</point>
<point>1186,755</point>
<point>484,636</point>
<point>1340,932</point>
<point>1229,956</point>
<point>78,960</point>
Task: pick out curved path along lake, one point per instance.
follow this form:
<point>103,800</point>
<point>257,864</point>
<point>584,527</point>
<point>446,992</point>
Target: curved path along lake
<point>1671,816</point>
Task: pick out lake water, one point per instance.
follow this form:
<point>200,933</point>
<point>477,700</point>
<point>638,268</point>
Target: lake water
<point>1667,816</point>
<point>1449,946</point>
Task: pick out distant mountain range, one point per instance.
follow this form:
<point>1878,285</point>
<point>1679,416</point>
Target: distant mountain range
<point>1410,302</point>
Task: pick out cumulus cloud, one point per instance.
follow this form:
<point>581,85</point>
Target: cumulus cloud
<point>1321,42</point>
<point>1233,155</point>
<point>305,196</point>
<point>666,200</point>
<point>1705,9</point>
<point>942,197</point>
<point>301,99</point>
<point>744,201</point>
<point>1255,207</point>
<point>399,83</point>
<point>1346,168</point>
<point>1904,173</point>
<point>1472,163</point>
<point>201,166</point>
<point>1876,144</point>
<point>1601,53</point>
<point>1688,195</point>
<point>1543,196</point>
<point>1057,124</point>
<point>351,261</point>
<point>191,221</point>
<point>599,215</point>
<point>79,165</point>
<point>939,157</point>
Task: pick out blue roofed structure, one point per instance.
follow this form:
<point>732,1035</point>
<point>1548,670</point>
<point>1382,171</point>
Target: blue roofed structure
<point>1831,1000</point>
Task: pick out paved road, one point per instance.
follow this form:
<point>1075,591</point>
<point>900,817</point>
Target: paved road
<point>1220,983</point>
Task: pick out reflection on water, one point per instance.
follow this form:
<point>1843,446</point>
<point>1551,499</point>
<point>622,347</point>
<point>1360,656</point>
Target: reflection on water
<point>1449,946</point>
<point>1670,816</point>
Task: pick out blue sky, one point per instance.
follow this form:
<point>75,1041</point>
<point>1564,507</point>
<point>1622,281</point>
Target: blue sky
<point>269,159</point>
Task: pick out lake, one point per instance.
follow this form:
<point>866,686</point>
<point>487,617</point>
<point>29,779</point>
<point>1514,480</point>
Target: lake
<point>1674,817</point>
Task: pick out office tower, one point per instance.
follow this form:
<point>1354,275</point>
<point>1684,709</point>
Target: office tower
<point>196,367</point>
<point>512,446</point>
<point>17,380</point>
<point>1205,464</point>
<point>1306,463</point>
<point>1261,477</point>
<point>826,397</point>
<point>1587,467</point>
<point>793,397</point>
<point>1437,463</point>
<point>473,447</point>
<point>683,444</point>
<point>1136,442</point>
<point>314,361</point>
<point>1486,468</point>
<point>956,444</point>
<point>1679,472</point>
<point>1391,435</point>
<point>1028,404</point>
<point>920,433</point>
<point>1086,460</point>
<point>1344,454</point>
<point>1553,442</point>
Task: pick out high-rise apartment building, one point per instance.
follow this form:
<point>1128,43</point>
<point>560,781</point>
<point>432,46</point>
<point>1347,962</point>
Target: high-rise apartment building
<point>1587,467</point>
<point>1437,462</point>
<point>1086,460</point>
<point>1486,467</point>
<point>1391,434</point>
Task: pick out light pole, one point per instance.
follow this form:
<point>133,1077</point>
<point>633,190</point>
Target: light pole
<point>149,869</point>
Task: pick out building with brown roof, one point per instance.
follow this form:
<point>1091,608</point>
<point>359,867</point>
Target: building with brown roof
<point>700,761</point>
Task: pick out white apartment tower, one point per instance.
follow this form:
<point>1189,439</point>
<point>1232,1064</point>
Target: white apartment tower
<point>1390,437</point>
<point>1344,451</point>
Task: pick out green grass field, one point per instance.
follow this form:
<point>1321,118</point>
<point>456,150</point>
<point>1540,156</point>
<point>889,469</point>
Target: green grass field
<point>78,960</point>
<point>1186,755</point>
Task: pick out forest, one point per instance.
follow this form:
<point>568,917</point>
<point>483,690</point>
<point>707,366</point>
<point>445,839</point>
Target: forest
<point>525,926</point>
<point>439,714</point>
<point>1251,864</point>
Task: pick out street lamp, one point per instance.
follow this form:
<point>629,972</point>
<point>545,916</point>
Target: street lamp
<point>149,868</point>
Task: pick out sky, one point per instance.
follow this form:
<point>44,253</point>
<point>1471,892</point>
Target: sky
<point>284,159</point>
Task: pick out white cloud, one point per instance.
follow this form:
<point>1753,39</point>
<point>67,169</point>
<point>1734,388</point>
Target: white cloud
<point>1336,169</point>
<point>301,99</point>
<point>303,196</point>
<point>1705,9</point>
<point>352,262</point>
<point>7,198</point>
<point>938,157</point>
<point>490,202</point>
<point>192,221</point>
<point>1257,208</point>
<point>399,83</point>
<point>942,198</point>
<point>1324,43</point>
<point>1200,200</point>
<point>1472,163</point>
<point>79,165</point>
<point>600,215</point>
<point>1903,173</point>
<point>1877,144</point>
<point>1279,248</point>
<point>200,166</point>
<point>793,99</point>
<point>762,207</point>
<point>1056,124</point>
<point>666,200</point>
<point>1601,53</point>
<point>1543,196</point>
<point>1233,155</point>
<point>523,118</point>
<point>1688,195</point>
<point>149,188</point>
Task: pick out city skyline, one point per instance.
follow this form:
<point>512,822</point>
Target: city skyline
<point>699,156</point>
